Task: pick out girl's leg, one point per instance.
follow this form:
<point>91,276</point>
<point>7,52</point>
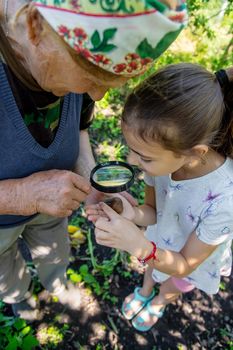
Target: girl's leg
<point>148,283</point>
<point>168,293</point>
<point>145,291</point>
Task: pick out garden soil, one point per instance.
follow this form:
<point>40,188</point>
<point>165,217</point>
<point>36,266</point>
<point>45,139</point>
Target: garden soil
<point>195,321</point>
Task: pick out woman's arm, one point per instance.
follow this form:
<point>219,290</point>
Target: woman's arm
<point>52,192</point>
<point>86,161</point>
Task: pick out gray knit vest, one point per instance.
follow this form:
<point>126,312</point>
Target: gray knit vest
<point>21,155</point>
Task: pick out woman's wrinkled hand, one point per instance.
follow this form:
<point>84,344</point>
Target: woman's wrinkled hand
<point>52,192</point>
<point>117,232</point>
<point>95,211</point>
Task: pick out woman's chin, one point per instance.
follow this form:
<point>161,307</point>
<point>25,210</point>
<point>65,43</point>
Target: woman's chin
<point>59,93</point>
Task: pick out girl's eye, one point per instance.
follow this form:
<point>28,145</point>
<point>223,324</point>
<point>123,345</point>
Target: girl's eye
<point>146,160</point>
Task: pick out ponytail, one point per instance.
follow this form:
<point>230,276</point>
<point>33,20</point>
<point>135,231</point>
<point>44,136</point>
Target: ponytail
<point>225,135</point>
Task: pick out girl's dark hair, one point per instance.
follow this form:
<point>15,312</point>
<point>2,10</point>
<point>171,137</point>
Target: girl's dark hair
<point>181,106</point>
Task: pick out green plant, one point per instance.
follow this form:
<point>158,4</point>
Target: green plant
<point>74,276</point>
<point>51,336</point>
<point>16,334</point>
<point>222,286</point>
<point>227,334</point>
<point>107,266</point>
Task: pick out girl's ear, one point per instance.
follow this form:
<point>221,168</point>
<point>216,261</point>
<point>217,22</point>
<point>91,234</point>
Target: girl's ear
<point>200,150</point>
<point>34,24</point>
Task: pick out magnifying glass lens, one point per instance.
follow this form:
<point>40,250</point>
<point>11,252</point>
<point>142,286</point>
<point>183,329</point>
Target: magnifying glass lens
<point>112,177</point>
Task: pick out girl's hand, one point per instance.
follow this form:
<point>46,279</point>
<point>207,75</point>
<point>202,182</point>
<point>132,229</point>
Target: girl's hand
<point>95,211</point>
<point>117,232</point>
<point>96,196</point>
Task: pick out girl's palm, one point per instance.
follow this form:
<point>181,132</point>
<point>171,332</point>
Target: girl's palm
<point>128,209</point>
<point>94,211</point>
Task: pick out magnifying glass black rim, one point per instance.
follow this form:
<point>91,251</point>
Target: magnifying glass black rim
<point>112,189</point>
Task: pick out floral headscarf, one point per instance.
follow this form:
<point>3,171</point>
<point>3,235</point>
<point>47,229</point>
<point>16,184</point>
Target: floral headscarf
<point>120,36</point>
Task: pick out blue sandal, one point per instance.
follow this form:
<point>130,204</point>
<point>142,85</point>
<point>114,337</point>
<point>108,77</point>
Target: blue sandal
<point>137,297</point>
<point>139,321</point>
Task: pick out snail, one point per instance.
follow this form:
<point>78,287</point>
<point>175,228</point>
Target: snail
<point>115,203</point>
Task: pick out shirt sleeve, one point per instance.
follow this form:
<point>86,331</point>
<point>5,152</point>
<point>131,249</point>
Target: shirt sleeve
<point>149,180</point>
<point>87,112</point>
<point>216,222</point>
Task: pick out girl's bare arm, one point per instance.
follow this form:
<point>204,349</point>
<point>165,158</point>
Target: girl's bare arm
<point>146,214</point>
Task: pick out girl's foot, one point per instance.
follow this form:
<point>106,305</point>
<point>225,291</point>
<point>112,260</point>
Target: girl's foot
<point>148,316</point>
<point>134,303</point>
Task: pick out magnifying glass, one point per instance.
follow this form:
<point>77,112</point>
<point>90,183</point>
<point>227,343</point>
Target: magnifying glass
<point>112,177</point>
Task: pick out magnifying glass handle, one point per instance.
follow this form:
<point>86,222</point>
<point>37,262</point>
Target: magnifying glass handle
<point>115,203</point>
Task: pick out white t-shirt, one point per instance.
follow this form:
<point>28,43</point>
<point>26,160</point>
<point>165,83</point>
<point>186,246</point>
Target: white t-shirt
<point>204,205</point>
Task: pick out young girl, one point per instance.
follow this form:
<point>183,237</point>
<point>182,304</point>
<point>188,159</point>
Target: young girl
<point>178,126</point>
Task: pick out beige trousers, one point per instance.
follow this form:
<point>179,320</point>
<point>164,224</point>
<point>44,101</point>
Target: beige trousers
<point>48,242</point>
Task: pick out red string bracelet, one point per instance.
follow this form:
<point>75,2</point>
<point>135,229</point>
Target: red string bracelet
<point>150,256</point>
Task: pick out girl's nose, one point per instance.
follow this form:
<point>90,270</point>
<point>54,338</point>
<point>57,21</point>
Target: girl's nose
<point>132,158</point>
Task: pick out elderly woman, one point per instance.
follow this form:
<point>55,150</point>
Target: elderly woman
<point>55,56</point>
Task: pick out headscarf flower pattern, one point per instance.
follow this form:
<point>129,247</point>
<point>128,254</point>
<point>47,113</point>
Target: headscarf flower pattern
<point>123,37</point>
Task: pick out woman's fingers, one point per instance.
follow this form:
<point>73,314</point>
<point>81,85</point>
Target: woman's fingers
<point>81,183</point>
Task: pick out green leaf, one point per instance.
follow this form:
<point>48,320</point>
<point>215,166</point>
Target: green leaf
<point>157,5</point>
<point>103,47</point>
<point>75,277</point>
<point>29,342</point>
<point>19,324</point>
<point>89,279</point>
<point>166,41</point>
<point>107,47</point>
<point>83,269</point>
<point>98,289</point>
<point>4,318</point>
<point>95,39</point>
<point>109,34</point>
<point>145,49</point>
<point>13,344</point>
<point>69,271</point>
<point>29,119</point>
<point>26,330</point>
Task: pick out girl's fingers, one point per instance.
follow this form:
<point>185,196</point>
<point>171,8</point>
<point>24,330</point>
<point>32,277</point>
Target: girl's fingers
<point>102,242</point>
<point>92,207</point>
<point>101,234</point>
<point>91,211</point>
<point>108,211</point>
<point>95,211</point>
<point>93,218</point>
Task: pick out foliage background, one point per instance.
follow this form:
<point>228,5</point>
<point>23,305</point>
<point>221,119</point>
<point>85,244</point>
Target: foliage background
<point>208,41</point>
